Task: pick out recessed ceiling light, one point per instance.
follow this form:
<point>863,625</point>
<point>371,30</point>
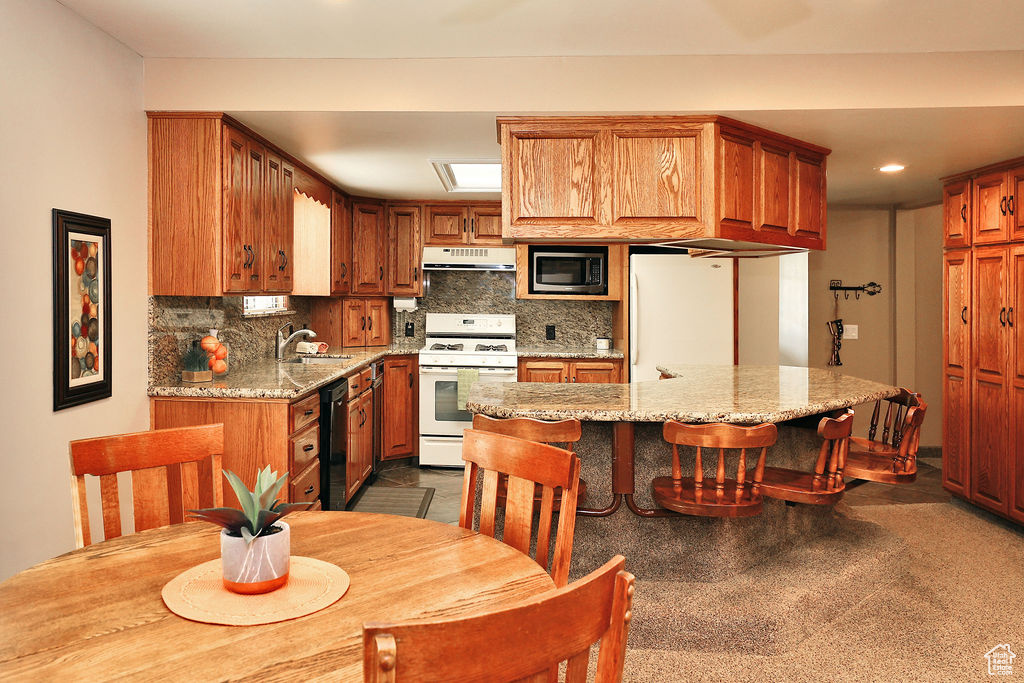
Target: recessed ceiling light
<point>892,168</point>
<point>469,176</point>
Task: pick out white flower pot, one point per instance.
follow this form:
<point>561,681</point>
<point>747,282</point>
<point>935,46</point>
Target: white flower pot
<point>257,567</point>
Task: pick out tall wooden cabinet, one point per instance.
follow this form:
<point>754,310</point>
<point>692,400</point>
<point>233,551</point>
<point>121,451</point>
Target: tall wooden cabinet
<point>983,387</point>
<point>405,251</point>
<point>369,238</point>
<point>341,244</point>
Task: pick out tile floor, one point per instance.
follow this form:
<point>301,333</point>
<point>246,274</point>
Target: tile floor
<point>446,482</point>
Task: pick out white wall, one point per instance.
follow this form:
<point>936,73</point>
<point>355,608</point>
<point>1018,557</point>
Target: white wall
<point>773,310</point>
<point>73,135</point>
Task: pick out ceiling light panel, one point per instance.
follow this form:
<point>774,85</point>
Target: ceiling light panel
<point>469,176</point>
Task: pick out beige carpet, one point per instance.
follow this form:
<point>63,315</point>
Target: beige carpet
<point>960,594</point>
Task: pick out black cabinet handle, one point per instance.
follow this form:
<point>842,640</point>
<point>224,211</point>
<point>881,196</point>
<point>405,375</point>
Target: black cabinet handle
<point>370,325</point>
<point>1009,205</point>
<point>247,262</point>
<point>309,489</point>
<point>963,315</point>
<point>1002,316</point>
<point>344,270</point>
<point>308,412</point>
<point>415,274</point>
<point>284,259</point>
<point>463,225</point>
<point>963,213</point>
<point>308,447</point>
<point>472,226</point>
<point>410,380</point>
<point>1002,206</point>
<point>381,272</point>
<point>364,323</point>
<point>1009,317</point>
<point>355,386</point>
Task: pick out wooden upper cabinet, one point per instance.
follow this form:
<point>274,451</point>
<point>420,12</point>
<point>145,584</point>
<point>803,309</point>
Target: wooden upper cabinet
<point>378,322</point>
<point>368,249</point>
<point>353,323</point>
<point>660,177</point>
<point>956,214</point>
<point>989,199</point>
<point>341,245</point>
<point>657,178</point>
<point>956,283</point>
<point>279,225</point>
<point>237,225</point>
<point>990,340</point>
<point>485,223</point>
<point>1015,202</point>
<point>404,250</point>
<point>446,224</point>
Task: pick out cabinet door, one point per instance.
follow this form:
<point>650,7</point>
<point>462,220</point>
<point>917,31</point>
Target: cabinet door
<point>736,184</point>
<point>353,323</point>
<point>256,185</point>
<point>553,179</point>
<point>378,322</point>
<point>399,430</point>
<point>990,414</point>
<point>774,212</point>
<point>657,177</point>
<point>956,214</point>
<point>366,459</point>
<point>367,248</point>
<point>485,224</point>
<point>354,450</point>
<point>1016,453</point>
<point>237,236</point>
<point>1015,185</point>
<point>278,226</point>
<point>956,284</point>
<point>989,198</point>
<point>446,224</point>
<point>1013,313</point>
<point>809,203</point>
<point>595,372</point>
<point>543,371</point>
<point>956,435</point>
<point>341,245</point>
<point>404,253</point>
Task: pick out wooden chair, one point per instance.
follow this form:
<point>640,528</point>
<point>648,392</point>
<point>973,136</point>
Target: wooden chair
<point>565,432</point>
<point>172,470</point>
<point>527,464</point>
<point>737,497</point>
<point>892,426</point>
<point>823,486</point>
<point>888,465</point>
<point>524,642</point>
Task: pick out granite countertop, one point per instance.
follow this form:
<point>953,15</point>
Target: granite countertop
<point>744,394</point>
<point>567,352</point>
<point>266,378</point>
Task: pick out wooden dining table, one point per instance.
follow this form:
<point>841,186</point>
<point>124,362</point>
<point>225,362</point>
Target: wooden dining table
<point>96,613</point>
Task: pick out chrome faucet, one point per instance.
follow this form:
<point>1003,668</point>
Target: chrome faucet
<point>282,342</point>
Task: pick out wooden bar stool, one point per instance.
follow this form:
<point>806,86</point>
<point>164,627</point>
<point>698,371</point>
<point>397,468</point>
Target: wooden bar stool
<point>566,432</point>
<point>893,425</point>
<point>723,497</point>
<point>823,486</point>
<point>889,465</point>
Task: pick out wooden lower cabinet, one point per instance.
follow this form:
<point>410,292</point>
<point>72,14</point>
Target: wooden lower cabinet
<point>568,370</point>
<point>359,454</point>
<point>257,433</point>
<point>400,431</point>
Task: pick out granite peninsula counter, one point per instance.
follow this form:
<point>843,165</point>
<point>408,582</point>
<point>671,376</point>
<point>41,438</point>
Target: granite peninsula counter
<point>622,450</point>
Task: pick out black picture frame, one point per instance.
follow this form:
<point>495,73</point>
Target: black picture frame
<point>82,368</point>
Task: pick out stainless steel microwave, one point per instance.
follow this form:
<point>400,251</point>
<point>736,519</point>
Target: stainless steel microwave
<point>568,270</point>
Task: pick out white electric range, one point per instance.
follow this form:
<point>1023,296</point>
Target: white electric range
<point>482,342</point>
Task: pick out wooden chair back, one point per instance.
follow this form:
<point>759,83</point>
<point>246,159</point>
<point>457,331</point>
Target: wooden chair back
<point>172,470</point>
<point>723,437</point>
<point>524,642</point>
<point>906,458</point>
<point>566,432</point>
<point>894,420</point>
<point>526,463</point>
<point>835,446</point>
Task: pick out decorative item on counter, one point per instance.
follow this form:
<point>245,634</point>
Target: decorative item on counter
<point>312,347</point>
<point>196,364</point>
<point>603,343</point>
<point>255,546</point>
<point>218,353</point>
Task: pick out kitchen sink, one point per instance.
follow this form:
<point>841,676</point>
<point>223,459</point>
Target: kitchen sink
<point>319,360</point>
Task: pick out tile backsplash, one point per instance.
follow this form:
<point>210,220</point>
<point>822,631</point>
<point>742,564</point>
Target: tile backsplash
<point>577,323</point>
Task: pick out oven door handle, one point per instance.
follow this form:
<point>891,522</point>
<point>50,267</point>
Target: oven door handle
<point>453,371</point>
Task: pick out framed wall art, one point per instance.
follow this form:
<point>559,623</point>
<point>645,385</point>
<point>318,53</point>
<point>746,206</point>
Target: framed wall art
<point>81,309</point>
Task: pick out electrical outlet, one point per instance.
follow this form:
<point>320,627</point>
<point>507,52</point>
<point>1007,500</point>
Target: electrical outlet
<point>851,332</point>
<point>410,329</point>
<point>549,332</point>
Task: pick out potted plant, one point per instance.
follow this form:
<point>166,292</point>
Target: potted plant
<point>196,365</point>
<point>255,545</point>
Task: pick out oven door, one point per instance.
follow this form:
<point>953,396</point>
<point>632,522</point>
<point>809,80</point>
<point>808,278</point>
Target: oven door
<point>439,411</point>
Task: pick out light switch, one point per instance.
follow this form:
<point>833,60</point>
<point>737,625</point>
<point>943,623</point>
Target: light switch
<point>851,332</point>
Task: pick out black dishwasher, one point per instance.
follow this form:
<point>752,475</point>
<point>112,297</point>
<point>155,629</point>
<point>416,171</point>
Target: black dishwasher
<point>333,444</point>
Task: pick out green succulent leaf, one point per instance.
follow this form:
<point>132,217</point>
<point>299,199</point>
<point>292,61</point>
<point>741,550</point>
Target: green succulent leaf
<point>260,508</point>
<point>231,519</point>
<point>245,497</point>
<point>269,494</point>
<point>247,535</point>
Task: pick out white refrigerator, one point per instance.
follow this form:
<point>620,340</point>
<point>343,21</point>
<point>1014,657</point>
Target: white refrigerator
<point>680,311</point>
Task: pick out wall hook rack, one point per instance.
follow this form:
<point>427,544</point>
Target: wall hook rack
<point>836,286</point>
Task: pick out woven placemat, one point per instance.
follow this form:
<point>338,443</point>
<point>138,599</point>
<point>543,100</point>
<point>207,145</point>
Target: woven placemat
<point>199,594</point>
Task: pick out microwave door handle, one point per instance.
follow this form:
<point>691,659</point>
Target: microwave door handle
<point>633,318</point>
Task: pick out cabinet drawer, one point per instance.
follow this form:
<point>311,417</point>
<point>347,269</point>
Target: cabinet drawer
<point>306,486</point>
<point>359,383</point>
<point>304,448</point>
<point>303,412</point>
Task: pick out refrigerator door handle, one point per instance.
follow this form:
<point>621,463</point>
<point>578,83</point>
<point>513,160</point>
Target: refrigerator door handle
<point>633,332</point>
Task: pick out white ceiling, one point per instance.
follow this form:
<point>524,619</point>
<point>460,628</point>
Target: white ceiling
<point>493,28</point>
<point>387,154</point>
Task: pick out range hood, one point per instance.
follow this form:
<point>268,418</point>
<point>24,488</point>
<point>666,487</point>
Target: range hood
<point>469,258</point>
